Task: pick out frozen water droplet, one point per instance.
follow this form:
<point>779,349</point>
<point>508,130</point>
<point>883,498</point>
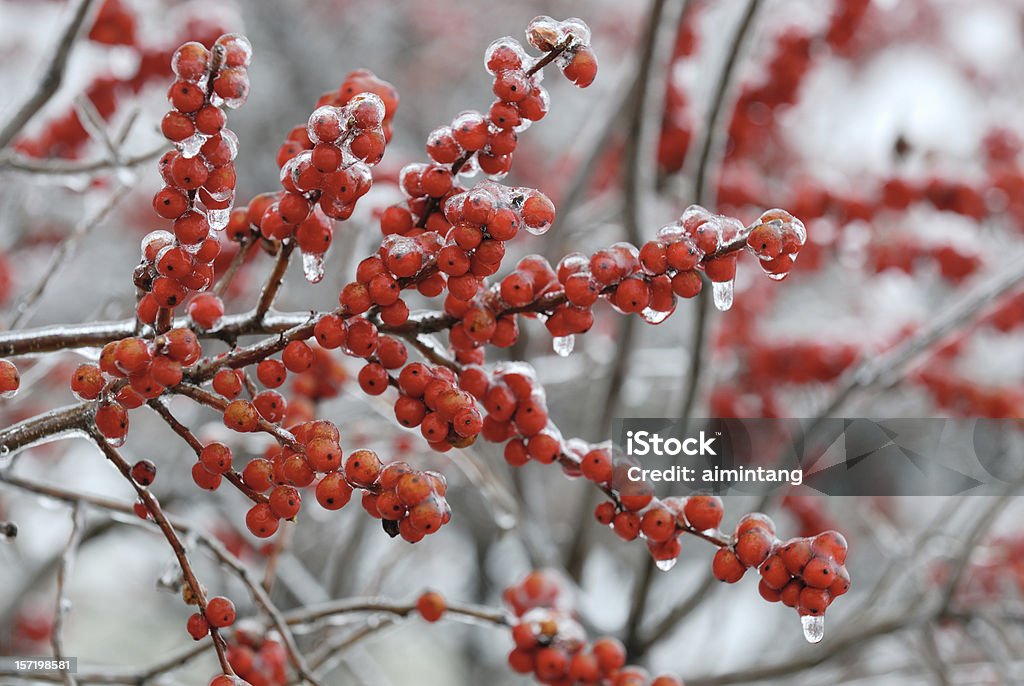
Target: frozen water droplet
<point>218,218</point>
<point>666,565</point>
<point>9,394</point>
<point>722,291</point>
<point>652,316</point>
<point>563,345</point>
<point>313,266</point>
<point>814,627</point>
<point>777,277</point>
<point>190,146</point>
<point>117,442</point>
<point>65,605</point>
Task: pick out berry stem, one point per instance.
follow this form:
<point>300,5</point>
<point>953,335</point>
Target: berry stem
<point>218,402</point>
<point>274,281</point>
<point>160,407</point>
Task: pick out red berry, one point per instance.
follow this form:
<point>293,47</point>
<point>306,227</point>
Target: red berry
<point>220,612</point>
<point>431,606</point>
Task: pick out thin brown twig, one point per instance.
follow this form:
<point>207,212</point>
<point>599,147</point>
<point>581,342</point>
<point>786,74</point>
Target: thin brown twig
<point>274,281</point>
<point>156,512</point>
<point>219,402</point>
<point>236,263</point>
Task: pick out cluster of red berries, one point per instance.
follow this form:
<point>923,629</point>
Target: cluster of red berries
<point>201,168</point>
<point>432,399</point>
<point>257,656</point>
<point>552,645</point>
<point>10,379</point>
<point>380,278</point>
<point>410,503</point>
<point>130,372</point>
<point>243,415</point>
<point>219,614</point>
<point>476,142</point>
<point>803,573</point>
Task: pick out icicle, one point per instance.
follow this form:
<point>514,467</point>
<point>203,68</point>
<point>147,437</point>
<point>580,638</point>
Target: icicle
<point>563,345</point>
<point>313,266</point>
<point>723,291</point>
<point>814,627</point>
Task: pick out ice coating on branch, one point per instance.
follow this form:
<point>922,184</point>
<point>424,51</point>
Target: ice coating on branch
<point>813,627</point>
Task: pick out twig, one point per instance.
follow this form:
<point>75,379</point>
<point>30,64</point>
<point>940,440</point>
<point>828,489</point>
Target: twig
<point>889,367</point>
<point>155,511</point>
<point>313,613</point>
<point>214,546</point>
<point>26,304</point>
<point>274,281</point>
<point>63,604</point>
<point>14,162</point>
<point>677,614</point>
<point>701,195</point>
<point>236,263</point>
<point>218,402</point>
<point>52,77</point>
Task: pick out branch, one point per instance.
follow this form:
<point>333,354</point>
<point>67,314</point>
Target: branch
<point>698,336</point>
<point>889,367</point>
<point>52,77</point>
<point>313,613</point>
<point>274,281</point>
<point>154,509</point>
<point>214,546</point>
<point>14,162</point>
<point>63,604</point>
<point>26,304</point>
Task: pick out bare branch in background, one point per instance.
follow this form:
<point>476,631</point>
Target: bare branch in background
<point>52,77</point>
